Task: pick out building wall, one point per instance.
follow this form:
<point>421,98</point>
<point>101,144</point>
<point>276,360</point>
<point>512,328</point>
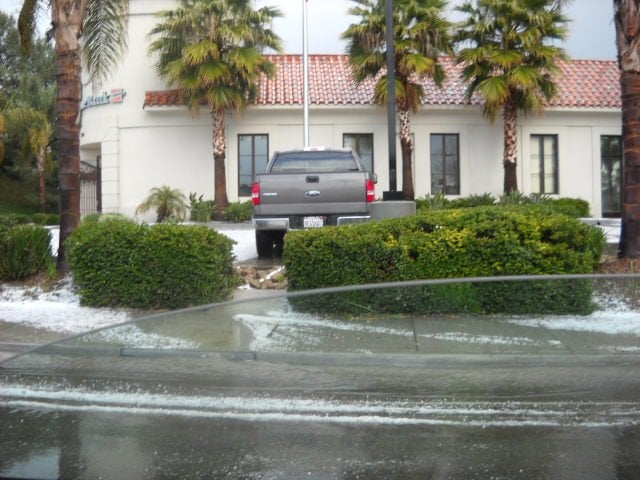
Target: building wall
<point>141,149</point>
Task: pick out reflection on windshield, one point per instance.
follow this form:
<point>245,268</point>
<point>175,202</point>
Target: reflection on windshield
<point>416,380</point>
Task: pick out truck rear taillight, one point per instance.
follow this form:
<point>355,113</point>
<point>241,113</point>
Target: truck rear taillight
<point>255,193</point>
<point>371,190</point>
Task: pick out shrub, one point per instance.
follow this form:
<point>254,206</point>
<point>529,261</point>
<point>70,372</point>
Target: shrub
<point>13,219</point>
<point>483,200</point>
<point>25,250</point>
<point>239,212</point>
<point>478,242</point>
<point>103,217</point>
<point>573,207</point>
<point>168,203</point>
<point>40,218</point>
<point>437,201</point>
<point>201,210</point>
<point>120,263</point>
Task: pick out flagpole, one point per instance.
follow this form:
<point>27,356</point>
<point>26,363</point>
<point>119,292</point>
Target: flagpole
<point>305,73</point>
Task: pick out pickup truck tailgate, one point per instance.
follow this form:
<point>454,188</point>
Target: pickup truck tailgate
<point>291,194</point>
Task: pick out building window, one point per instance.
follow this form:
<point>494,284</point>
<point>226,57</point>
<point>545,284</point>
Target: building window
<point>611,174</point>
<point>445,163</point>
<point>544,164</point>
<point>253,155</point>
<point>362,144</point>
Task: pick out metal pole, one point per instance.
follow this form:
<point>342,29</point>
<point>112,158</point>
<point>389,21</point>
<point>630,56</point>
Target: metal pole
<point>391,94</point>
<point>305,73</point>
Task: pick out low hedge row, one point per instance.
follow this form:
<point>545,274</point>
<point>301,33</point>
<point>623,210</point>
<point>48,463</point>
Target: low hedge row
<point>120,263</point>
<point>25,250</point>
<point>573,207</point>
<point>477,242</point>
<point>10,220</point>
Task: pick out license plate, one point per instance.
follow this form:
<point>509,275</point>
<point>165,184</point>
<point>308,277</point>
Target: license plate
<point>312,222</point>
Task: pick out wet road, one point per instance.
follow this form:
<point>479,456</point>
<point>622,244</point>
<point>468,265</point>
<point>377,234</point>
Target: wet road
<point>235,416</point>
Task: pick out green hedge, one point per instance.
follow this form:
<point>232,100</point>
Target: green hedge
<point>573,207</point>
<point>25,250</point>
<point>477,242</point>
<point>120,263</point>
<point>12,219</point>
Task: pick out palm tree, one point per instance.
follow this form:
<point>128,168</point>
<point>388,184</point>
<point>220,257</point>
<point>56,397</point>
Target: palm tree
<point>627,16</point>
<point>510,62</point>
<point>211,50</point>
<point>169,203</point>
<point>39,134</point>
<point>421,33</point>
<point>89,31</point>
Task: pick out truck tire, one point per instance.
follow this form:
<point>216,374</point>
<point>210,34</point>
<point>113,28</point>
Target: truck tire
<point>264,244</point>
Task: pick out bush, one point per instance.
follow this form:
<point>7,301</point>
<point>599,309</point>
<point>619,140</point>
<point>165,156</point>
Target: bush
<point>239,212</point>
<point>14,219</point>
<point>103,217</point>
<point>471,201</point>
<point>573,207</point>
<point>25,250</point>
<point>120,263</point>
<point>477,242</point>
<point>45,218</point>
<point>201,210</point>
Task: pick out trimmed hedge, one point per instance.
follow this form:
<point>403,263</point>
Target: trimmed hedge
<point>573,207</point>
<point>119,263</point>
<point>13,219</point>
<point>25,250</point>
<point>477,242</point>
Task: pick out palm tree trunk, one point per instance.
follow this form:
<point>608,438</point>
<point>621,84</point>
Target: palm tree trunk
<point>630,238</point>
<point>627,13</point>
<point>68,110</point>
<point>66,16</point>
<point>41,181</point>
<point>407,150</point>
<point>510,115</point>
<point>219,170</point>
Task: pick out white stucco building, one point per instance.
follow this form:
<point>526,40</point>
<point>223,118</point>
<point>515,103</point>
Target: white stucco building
<point>141,136</point>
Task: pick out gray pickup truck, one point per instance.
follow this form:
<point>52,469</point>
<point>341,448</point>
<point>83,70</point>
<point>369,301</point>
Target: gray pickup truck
<point>308,188</point>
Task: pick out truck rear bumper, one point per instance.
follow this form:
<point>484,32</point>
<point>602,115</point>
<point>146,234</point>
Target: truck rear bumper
<point>270,223</point>
<point>285,223</point>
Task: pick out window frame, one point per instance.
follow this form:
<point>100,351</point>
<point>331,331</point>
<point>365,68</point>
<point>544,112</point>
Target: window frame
<point>359,136</point>
<point>540,188</point>
<point>457,187</point>
<point>253,137</point>
<point>616,157</point>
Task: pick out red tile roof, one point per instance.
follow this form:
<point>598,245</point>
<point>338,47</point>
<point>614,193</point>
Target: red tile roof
<point>582,83</point>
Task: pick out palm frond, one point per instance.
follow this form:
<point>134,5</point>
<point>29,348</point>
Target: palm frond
<point>104,36</point>
<point>27,24</point>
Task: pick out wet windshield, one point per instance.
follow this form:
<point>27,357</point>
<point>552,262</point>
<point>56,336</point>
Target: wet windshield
<point>411,380</point>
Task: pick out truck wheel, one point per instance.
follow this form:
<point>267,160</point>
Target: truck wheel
<point>278,244</point>
<point>264,244</point>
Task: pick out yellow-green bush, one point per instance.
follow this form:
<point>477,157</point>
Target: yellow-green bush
<point>475,242</point>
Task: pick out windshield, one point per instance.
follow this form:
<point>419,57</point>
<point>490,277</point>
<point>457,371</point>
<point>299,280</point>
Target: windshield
<point>385,381</point>
<point>325,161</point>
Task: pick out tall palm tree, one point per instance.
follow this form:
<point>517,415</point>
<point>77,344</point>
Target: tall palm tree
<point>509,58</point>
<point>211,50</point>
<point>627,16</point>
<point>421,34</point>
<point>92,32</point>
